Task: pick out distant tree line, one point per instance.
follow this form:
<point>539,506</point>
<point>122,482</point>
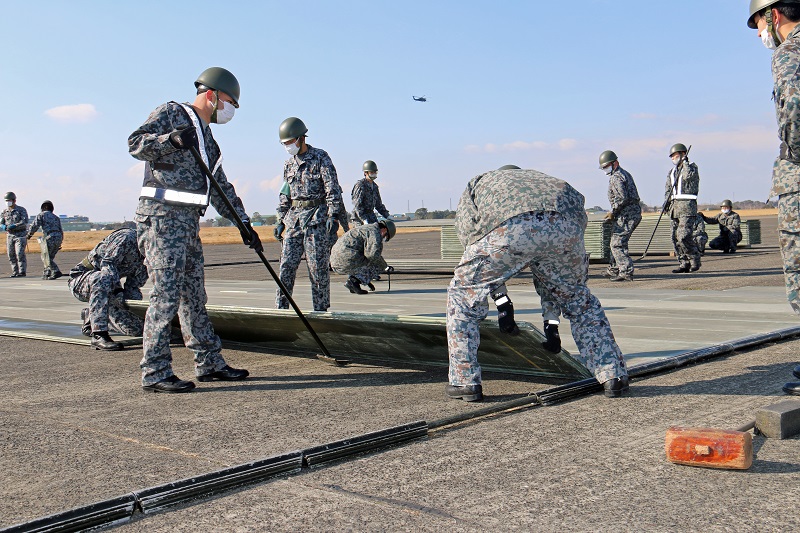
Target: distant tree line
<point>423,214</point>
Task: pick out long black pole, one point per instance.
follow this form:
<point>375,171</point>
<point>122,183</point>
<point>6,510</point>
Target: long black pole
<point>663,209</point>
<point>326,355</point>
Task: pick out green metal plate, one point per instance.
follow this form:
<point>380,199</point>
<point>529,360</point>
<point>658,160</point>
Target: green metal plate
<point>387,338</point>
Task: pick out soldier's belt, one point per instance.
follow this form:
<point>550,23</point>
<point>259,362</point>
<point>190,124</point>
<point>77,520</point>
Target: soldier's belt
<point>175,197</point>
<point>307,203</point>
<point>685,197</point>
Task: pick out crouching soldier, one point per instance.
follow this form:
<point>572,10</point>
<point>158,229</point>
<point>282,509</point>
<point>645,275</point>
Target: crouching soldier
<point>509,220</point>
<point>97,280</point>
<point>50,242</point>
<point>730,233</point>
<point>358,254</point>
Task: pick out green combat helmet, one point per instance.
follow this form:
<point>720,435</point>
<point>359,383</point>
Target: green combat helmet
<point>11,196</point>
<point>369,166</point>
<point>509,167</point>
<point>607,157</point>
<point>219,79</point>
<point>677,148</point>
<point>291,128</point>
<point>726,203</point>
<point>390,227</point>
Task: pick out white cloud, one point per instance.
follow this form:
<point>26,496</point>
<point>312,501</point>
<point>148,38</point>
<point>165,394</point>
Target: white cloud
<point>136,171</point>
<point>521,146</point>
<point>273,184</point>
<point>73,113</point>
<point>567,144</point>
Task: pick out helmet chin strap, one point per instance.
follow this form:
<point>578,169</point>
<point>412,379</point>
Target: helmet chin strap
<point>771,27</point>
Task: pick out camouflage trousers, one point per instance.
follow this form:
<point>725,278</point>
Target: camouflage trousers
<point>727,240</point>
<point>106,312</point>
<point>682,240</point>
<point>174,258</point>
<point>53,243</point>
<point>701,240</point>
<point>364,274</point>
<point>621,231</point>
<point>789,232</point>
<point>552,246</point>
<point>550,309</point>
<point>15,247</point>
<point>316,243</point>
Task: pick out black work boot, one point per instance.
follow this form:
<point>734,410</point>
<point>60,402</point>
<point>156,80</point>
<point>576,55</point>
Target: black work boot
<point>623,277</point>
<point>86,329</point>
<point>611,274</point>
<point>225,374</point>
<point>796,372</point>
<point>614,388</point>
<point>371,286</point>
<point>171,385</point>
<point>468,393</point>
<point>553,342</point>
<point>695,267</point>
<point>101,340</point>
<point>354,285</point>
<point>792,388</point>
<point>681,269</point>
<point>57,274</point>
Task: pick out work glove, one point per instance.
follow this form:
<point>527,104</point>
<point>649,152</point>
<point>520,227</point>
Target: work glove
<point>12,227</point>
<point>389,269</point>
<point>505,315</point>
<point>2,227</point>
<point>331,226</point>
<point>251,238</point>
<point>278,231</point>
<point>184,139</point>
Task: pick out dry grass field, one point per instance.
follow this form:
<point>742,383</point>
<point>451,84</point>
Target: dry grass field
<point>78,241</point>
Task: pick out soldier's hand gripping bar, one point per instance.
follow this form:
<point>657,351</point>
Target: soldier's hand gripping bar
<point>326,355</point>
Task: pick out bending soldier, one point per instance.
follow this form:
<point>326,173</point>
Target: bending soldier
<point>509,220</point>
<point>777,26</point>
<point>730,233</point>
<point>52,237</point>
<point>367,197</point>
<point>98,280</point>
<point>358,254</point>
<point>625,215</point>
<point>174,196</point>
<point>680,201</point>
<point>310,201</point>
<point>14,221</point>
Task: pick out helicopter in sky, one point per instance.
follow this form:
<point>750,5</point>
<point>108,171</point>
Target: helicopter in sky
<point>419,98</point>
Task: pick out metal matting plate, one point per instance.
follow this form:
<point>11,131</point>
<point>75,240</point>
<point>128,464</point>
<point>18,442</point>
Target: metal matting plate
<point>387,338</point>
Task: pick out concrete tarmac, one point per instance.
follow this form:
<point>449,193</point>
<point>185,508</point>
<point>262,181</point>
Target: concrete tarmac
<point>76,428</point>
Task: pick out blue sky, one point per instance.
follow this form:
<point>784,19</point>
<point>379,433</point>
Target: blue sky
<point>528,83</point>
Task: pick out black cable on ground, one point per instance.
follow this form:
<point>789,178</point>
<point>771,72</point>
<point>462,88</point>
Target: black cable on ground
<point>122,509</point>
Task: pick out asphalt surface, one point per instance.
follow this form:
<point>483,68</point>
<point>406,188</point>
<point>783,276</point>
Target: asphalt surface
<point>74,429</point>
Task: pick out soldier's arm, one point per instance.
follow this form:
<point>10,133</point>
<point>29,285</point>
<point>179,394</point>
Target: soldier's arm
<point>24,224</point>
<point>734,221</point>
<point>151,140</point>
<point>284,200</point>
<point>616,196</point>
<point>37,222</point>
<point>134,283</point>
<point>333,195</point>
<point>115,250</point>
<point>358,200</point>
<point>230,192</point>
<point>373,248</point>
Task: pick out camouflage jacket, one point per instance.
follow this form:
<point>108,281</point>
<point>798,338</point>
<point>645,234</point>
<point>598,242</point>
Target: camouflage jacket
<point>361,246</point>
<point>727,221</point>
<point>622,193</point>
<point>310,177</point>
<point>170,168</point>
<point>366,199</point>
<point>492,198</point>
<point>50,224</point>
<point>15,215</point>
<point>687,182</point>
<point>786,94</point>
<point>118,254</point>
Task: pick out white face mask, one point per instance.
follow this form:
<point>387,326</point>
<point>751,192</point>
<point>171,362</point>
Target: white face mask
<point>725,210</point>
<point>372,175</point>
<point>9,203</point>
<point>293,149</point>
<point>608,170</point>
<point>677,161</point>
<point>768,40</point>
<point>224,115</point>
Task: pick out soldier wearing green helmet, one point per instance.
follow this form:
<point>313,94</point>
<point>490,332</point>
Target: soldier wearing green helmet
<point>680,202</point>
<point>625,215</point>
<point>309,211</point>
<point>14,221</point>
<point>730,233</point>
<point>367,197</point>
<point>777,25</point>
<point>175,194</point>
<point>359,254</point>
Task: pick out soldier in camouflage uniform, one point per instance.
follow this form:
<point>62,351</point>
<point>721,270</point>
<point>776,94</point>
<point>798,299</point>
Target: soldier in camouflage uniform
<point>367,197</point>
<point>508,220</point>
<point>699,234</point>
<point>680,200</point>
<point>342,220</point>
<point>174,196</point>
<point>730,233</point>
<point>625,215</point>
<point>98,280</point>
<point>309,205</point>
<point>14,221</point>
<point>52,237</point>
<point>777,25</point>
<point>358,254</point>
